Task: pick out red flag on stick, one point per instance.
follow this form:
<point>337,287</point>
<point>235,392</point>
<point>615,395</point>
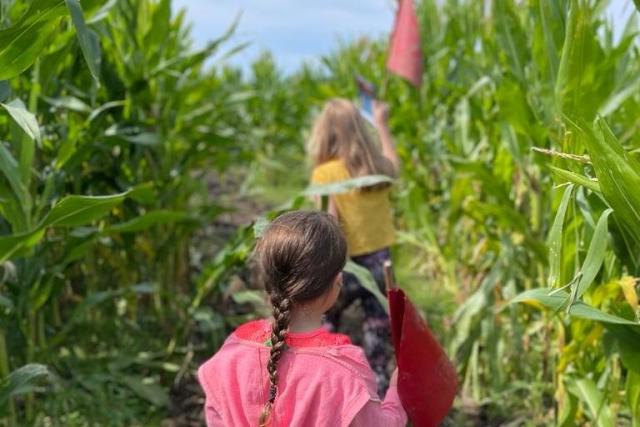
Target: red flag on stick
<point>426,378</point>
<point>405,54</point>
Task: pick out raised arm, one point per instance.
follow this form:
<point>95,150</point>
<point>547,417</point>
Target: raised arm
<point>381,120</point>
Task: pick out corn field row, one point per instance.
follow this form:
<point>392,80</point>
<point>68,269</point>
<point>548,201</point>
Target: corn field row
<point>518,206</point>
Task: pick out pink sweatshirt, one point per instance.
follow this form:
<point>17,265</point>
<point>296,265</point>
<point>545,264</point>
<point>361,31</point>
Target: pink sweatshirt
<point>323,380</point>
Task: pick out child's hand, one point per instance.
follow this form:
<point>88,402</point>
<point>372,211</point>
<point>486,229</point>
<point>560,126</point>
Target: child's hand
<point>380,113</point>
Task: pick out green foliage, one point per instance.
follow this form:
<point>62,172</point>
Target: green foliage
<point>21,381</point>
<point>110,122</point>
<point>87,39</point>
<point>23,42</point>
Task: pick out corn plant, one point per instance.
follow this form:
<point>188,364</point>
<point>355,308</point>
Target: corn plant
<point>108,123</point>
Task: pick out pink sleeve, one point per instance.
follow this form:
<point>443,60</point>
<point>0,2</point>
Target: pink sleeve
<point>389,413</point>
<point>212,416</point>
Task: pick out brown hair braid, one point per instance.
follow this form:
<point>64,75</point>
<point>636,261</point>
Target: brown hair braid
<point>282,315</point>
<point>299,256</point>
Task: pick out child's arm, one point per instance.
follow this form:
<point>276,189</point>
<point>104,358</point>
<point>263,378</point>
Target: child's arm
<point>212,417</point>
<point>211,414</point>
<point>381,119</point>
<point>389,413</point>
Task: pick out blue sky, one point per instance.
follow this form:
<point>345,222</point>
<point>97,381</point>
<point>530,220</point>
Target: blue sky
<point>299,30</point>
<point>293,30</point>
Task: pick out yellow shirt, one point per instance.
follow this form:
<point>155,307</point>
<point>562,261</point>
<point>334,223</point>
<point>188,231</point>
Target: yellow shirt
<point>365,216</point>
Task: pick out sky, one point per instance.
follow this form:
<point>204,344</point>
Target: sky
<point>293,30</point>
<point>299,30</point>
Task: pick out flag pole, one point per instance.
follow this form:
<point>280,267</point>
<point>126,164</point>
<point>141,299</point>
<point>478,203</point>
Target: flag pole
<point>388,276</point>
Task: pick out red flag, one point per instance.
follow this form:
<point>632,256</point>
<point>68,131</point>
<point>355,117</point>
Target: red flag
<point>405,54</point>
<point>426,378</point>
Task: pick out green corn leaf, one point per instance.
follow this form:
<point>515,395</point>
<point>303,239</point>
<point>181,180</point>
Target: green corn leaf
<point>149,390</point>
<point>73,211</point>
<point>628,343</point>
<point>65,152</point>
<point>87,39</point>
<point>555,238</point>
<point>160,24</point>
<point>77,251</point>
<point>544,298</point>
<point>549,24</point>
<point>17,244</point>
<point>68,102</point>
<point>576,179</point>
<point>260,226</point>
<point>365,278</point>
<point>144,193</point>
<point>103,12</point>
<point>595,254</point>
<point>143,138</point>
<point>510,35</point>
<point>6,303</point>
<point>23,118</point>
<point>148,220</point>
<point>107,106</point>
<point>632,389</point>
<point>618,98</point>
<point>11,171</point>
<point>28,123</point>
<point>346,185</point>
<point>573,96</point>
<point>21,44</point>
<point>619,176</point>
<point>587,391</point>
<point>567,410</point>
<point>21,381</point>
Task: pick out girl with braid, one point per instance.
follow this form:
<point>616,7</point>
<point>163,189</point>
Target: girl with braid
<point>291,371</point>
<point>341,147</point>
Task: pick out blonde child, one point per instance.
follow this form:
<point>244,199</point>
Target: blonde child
<point>342,148</point>
<point>291,371</point>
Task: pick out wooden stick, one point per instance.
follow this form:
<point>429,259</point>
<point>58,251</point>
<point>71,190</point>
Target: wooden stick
<point>388,275</point>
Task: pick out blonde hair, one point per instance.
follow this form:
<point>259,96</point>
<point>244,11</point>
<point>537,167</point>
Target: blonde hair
<point>299,256</point>
<point>339,132</point>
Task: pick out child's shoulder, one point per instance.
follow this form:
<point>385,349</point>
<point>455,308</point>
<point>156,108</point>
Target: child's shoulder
<point>255,331</point>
